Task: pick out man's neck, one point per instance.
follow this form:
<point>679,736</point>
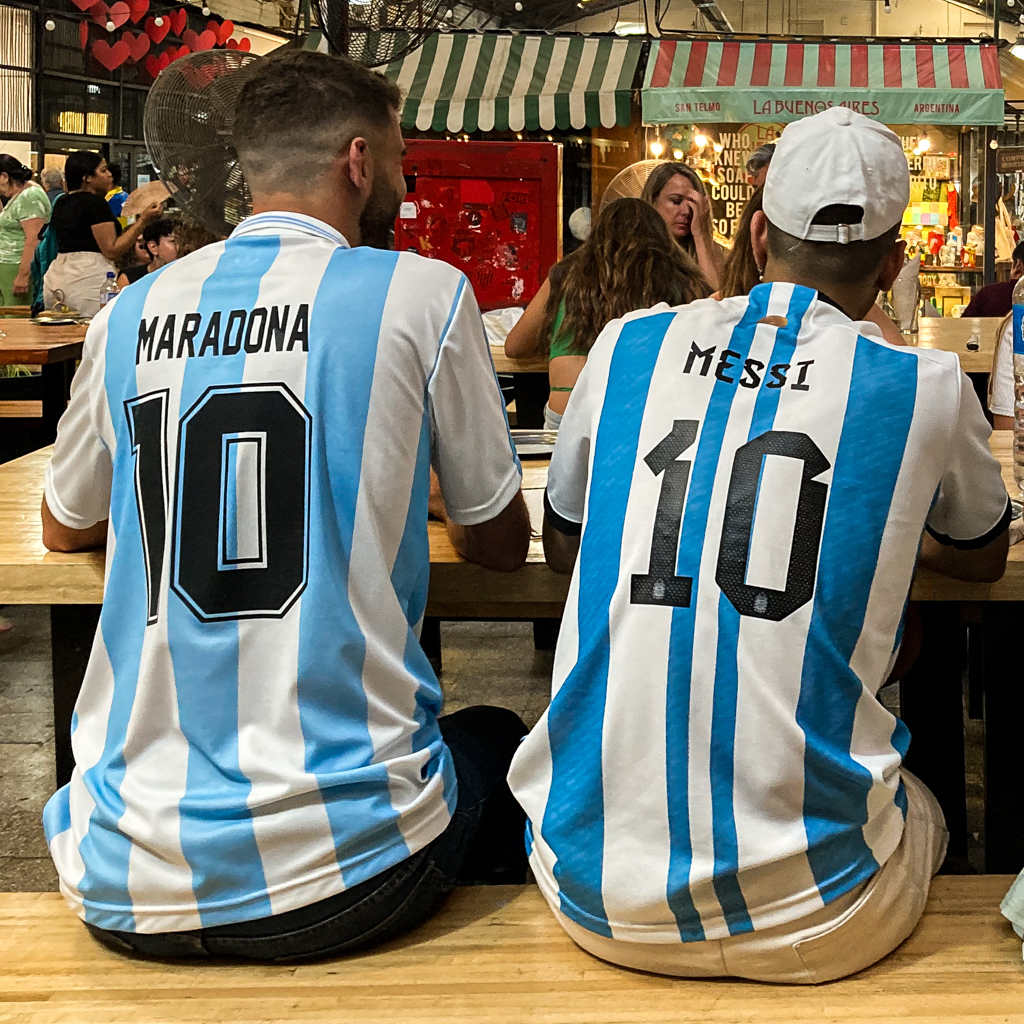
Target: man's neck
<point>323,207</point>
<point>854,302</point>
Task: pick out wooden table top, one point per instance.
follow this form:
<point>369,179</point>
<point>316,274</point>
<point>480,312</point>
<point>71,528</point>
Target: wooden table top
<point>950,334</point>
<point>35,344</point>
<point>29,574</point>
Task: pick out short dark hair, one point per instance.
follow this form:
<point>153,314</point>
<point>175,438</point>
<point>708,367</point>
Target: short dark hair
<point>80,165</point>
<point>14,169</point>
<point>157,229</point>
<point>761,157</point>
<point>297,109</point>
<point>853,263</point>
<point>1018,253</point>
<point>115,173</point>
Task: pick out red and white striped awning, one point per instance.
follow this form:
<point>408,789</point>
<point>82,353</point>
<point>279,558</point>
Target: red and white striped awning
<point>898,83</point>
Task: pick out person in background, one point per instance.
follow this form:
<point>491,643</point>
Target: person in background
<point>270,776</point>
<point>88,242</point>
<point>1000,380</point>
<point>628,262</point>
<point>741,273</point>
<point>740,489</point>
<point>116,196</point>
<point>677,192</point>
<point>190,235</point>
<point>26,211</point>
<point>53,181</point>
<point>758,163</point>
<point>996,299</point>
<point>161,246</point>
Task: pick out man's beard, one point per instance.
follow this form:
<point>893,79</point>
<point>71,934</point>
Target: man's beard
<point>377,221</point>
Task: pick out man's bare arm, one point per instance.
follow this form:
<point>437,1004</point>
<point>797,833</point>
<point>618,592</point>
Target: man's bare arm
<point>58,537</point>
<point>978,565</point>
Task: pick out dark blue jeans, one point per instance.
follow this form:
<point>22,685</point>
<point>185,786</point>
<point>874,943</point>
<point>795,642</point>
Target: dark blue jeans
<point>483,844</point>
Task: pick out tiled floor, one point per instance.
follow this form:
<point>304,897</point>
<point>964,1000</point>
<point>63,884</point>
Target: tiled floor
<point>495,663</point>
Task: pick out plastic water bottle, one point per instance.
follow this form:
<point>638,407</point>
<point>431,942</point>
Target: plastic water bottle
<point>1018,385</point>
<point>109,289</point>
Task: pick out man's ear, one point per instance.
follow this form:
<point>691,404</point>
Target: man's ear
<point>892,266</point>
<point>759,238</point>
<point>359,165</point>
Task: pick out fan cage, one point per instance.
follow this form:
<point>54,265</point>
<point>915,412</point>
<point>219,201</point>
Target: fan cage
<point>379,31</point>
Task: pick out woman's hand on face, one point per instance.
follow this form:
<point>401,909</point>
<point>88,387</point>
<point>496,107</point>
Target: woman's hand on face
<point>700,204</point>
<point>21,283</point>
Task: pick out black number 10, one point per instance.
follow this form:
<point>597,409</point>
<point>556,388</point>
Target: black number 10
<point>661,586</point>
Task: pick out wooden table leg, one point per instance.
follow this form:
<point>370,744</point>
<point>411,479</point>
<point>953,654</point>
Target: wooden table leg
<point>1004,719</point>
<point>931,698</point>
<point>72,628</point>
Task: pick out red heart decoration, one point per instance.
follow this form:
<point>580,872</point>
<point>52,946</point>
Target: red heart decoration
<point>119,13</point>
<point>157,32</point>
<point>98,12</point>
<point>206,40</point>
<point>179,20</point>
<point>83,33</point>
<point>223,31</point>
<point>175,54</point>
<point>138,10</point>
<point>190,37</point>
<point>153,64</point>
<point>83,5</point>
<point>244,44</point>
<point>101,13</point>
<point>111,57</point>
<point>138,45</point>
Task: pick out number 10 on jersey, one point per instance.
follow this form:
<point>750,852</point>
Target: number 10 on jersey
<point>661,586</point>
<point>240,509</point>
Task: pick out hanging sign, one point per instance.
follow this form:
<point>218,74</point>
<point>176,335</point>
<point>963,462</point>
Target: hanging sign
<point>1010,161</point>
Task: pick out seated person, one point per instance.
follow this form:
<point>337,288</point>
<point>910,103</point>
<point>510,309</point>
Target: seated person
<point>628,262</point>
<point>1000,380</point>
<point>996,299</point>
<point>740,489</point>
<point>261,770</point>
<point>158,240</point>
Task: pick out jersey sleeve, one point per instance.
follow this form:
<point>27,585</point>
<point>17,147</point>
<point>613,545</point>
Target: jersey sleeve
<point>1000,399</point>
<point>972,507</point>
<point>78,478</point>
<point>473,454</point>
<point>566,495</point>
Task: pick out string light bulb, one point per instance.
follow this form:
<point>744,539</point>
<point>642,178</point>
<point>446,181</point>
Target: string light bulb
<point>718,147</point>
<point>994,144</point>
<point>519,6</point>
<point>50,25</point>
<point>657,148</point>
<point>917,151</point>
<point>206,11</point>
<point>110,26</point>
<point>158,22</point>
<point>677,154</point>
<point>700,140</point>
<point>924,143</point>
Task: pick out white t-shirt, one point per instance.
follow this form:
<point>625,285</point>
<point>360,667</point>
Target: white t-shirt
<point>257,729</point>
<point>752,478</point>
<point>1000,402</point>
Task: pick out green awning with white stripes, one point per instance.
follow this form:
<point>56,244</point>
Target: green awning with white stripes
<point>468,81</point>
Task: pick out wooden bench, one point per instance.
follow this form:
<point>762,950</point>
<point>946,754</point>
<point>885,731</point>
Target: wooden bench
<point>495,954</point>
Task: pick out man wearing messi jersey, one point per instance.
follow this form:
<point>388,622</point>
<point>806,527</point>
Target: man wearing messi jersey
<point>260,767</point>
<point>740,489</point>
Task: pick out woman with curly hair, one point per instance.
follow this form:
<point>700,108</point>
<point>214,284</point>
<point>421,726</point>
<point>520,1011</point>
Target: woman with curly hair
<point>629,262</point>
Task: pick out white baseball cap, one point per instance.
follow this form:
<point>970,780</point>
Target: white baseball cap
<point>837,157</point>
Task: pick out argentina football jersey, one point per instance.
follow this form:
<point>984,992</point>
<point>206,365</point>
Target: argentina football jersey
<point>750,479</point>
<point>257,729</point>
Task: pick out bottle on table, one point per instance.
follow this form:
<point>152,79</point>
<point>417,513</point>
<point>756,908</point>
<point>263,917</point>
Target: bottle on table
<point>1018,385</point>
<point>108,289</point>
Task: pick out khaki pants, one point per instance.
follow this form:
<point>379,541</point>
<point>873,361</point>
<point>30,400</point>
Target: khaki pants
<point>76,278</point>
<point>846,936</point>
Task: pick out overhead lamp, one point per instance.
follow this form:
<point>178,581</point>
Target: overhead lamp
<point>677,154</point>
<point>924,143</point>
<point>700,140</point>
<point>657,147</point>
<point>630,28</point>
<point>917,151</point>
<point>718,147</point>
<point>1018,47</point>
<point>994,144</point>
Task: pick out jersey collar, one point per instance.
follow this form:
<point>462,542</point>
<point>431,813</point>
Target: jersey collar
<point>281,222</point>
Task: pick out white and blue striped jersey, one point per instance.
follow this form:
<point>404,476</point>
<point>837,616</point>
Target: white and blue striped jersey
<point>257,729</point>
<point>752,478</point>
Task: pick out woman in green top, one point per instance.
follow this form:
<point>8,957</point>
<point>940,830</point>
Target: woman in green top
<point>629,262</point>
<point>22,219</point>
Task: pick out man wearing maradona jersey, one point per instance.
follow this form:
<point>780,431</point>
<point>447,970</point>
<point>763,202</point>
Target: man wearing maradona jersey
<point>740,489</point>
<point>260,767</point>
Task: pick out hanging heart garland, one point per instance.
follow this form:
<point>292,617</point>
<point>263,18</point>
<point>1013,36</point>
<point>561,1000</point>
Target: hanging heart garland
<point>179,20</point>
<point>244,44</point>
<point>158,33</point>
<point>138,9</point>
<point>83,33</point>
<point>223,30</point>
<point>155,63</point>
<point>117,14</point>
<point>197,41</point>
<point>138,45</point>
<point>83,5</point>
<point>111,57</point>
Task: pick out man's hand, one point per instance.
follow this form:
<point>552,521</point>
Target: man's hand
<point>502,543</point>
<point>58,537</point>
<point>21,283</point>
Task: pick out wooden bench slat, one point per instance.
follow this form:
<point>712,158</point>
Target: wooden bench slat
<point>495,955</point>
